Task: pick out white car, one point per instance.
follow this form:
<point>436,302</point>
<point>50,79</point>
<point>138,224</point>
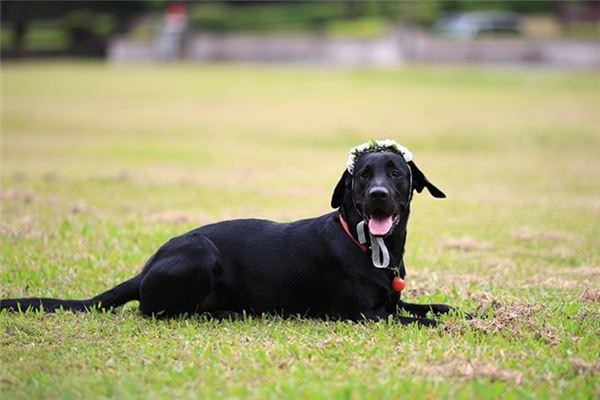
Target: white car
<point>473,24</point>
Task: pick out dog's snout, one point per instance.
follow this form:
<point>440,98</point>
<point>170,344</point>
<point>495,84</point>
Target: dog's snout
<point>379,193</point>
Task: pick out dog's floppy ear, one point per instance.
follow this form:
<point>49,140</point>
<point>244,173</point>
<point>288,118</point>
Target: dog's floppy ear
<point>420,181</point>
<point>340,190</point>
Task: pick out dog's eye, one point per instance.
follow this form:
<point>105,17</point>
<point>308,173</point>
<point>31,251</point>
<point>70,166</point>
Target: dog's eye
<point>396,173</point>
<point>365,175</point>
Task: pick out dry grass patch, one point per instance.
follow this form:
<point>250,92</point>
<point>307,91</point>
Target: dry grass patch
<point>583,277</point>
<point>526,234</point>
<point>513,320</point>
<point>591,296</point>
<point>468,369</point>
<point>583,271</point>
<point>582,367</point>
<point>23,197</point>
<point>81,207</point>
<point>552,281</point>
<point>465,243</point>
<point>499,264</point>
<point>21,228</point>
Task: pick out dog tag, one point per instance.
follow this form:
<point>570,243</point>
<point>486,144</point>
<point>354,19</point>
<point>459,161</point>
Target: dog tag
<point>398,284</point>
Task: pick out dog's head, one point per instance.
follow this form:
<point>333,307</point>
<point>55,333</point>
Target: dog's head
<point>380,189</point>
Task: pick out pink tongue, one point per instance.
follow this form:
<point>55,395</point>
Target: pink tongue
<point>380,226</point>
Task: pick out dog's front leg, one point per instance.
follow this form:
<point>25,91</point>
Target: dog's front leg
<point>421,310</point>
<point>379,315</point>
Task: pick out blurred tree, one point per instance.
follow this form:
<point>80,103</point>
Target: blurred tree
<point>88,23</point>
<point>524,7</point>
<point>85,26</point>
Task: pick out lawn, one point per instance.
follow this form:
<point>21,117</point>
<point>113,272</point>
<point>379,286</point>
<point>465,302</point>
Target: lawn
<point>101,164</point>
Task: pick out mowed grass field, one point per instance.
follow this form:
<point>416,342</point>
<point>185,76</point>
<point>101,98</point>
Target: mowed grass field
<point>101,164</point>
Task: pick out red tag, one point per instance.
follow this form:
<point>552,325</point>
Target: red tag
<point>398,284</point>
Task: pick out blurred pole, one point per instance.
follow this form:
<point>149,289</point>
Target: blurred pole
<point>170,40</point>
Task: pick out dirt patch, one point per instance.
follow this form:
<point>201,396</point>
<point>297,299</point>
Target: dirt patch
<point>414,292</point>
<point>505,316</point>
<point>467,369</point>
<point>329,342</point>
<point>549,335</point>
<point>18,196</point>
<point>485,302</point>
<point>22,228</point>
<point>561,252</point>
<point>526,234</point>
<point>591,296</point>
<point>582,367</point>
<point>585,271</point>
<point>501,264</point>
<point>553,281</point>
<point>583,315</point>
<point>50,177</point>
<point>510,320</point>
<point>81,207</point>
<point>466,243</point>
<point>464,279</point>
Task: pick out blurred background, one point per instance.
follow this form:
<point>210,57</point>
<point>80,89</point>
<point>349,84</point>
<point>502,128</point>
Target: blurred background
<point>347,33</point>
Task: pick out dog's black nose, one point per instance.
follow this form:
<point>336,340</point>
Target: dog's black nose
<point>379,193</point>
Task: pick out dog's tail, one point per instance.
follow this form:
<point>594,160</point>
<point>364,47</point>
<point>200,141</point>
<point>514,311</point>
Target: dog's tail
<point>115,297</point>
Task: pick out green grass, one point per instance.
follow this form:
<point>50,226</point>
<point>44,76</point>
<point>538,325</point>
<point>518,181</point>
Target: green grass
<point>101,164</point>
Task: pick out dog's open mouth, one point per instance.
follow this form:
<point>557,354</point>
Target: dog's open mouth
<point>381,223</point>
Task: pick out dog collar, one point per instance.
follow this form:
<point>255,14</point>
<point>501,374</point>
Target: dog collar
<point>379,252</point>
<point>380,256</point>
<point>347,230</point>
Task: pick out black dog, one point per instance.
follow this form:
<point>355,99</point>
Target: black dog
<point>310,268</point>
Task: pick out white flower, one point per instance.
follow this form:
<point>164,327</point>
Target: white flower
<point>387,143</point>
<point>375,146</point>
<point>405,153</point>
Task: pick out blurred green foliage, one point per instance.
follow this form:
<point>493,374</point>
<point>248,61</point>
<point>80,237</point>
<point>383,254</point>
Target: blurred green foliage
<point>338,16</point>
<point>221,17</point>
<point>42,36</point>
<point>361,28</point>
<point>64,33</point>
<point>96,24</point>
<point>86,26</point>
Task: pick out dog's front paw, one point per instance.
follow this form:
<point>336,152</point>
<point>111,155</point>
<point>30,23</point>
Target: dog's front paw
<point>439,309</point>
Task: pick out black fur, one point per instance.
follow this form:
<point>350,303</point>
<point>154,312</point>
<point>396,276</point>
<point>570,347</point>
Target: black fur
<point>309,268</point>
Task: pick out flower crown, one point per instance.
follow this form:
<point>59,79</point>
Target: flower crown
<point>376,146</point>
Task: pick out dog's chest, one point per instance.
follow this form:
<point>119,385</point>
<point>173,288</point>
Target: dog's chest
<point>371,290</point>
